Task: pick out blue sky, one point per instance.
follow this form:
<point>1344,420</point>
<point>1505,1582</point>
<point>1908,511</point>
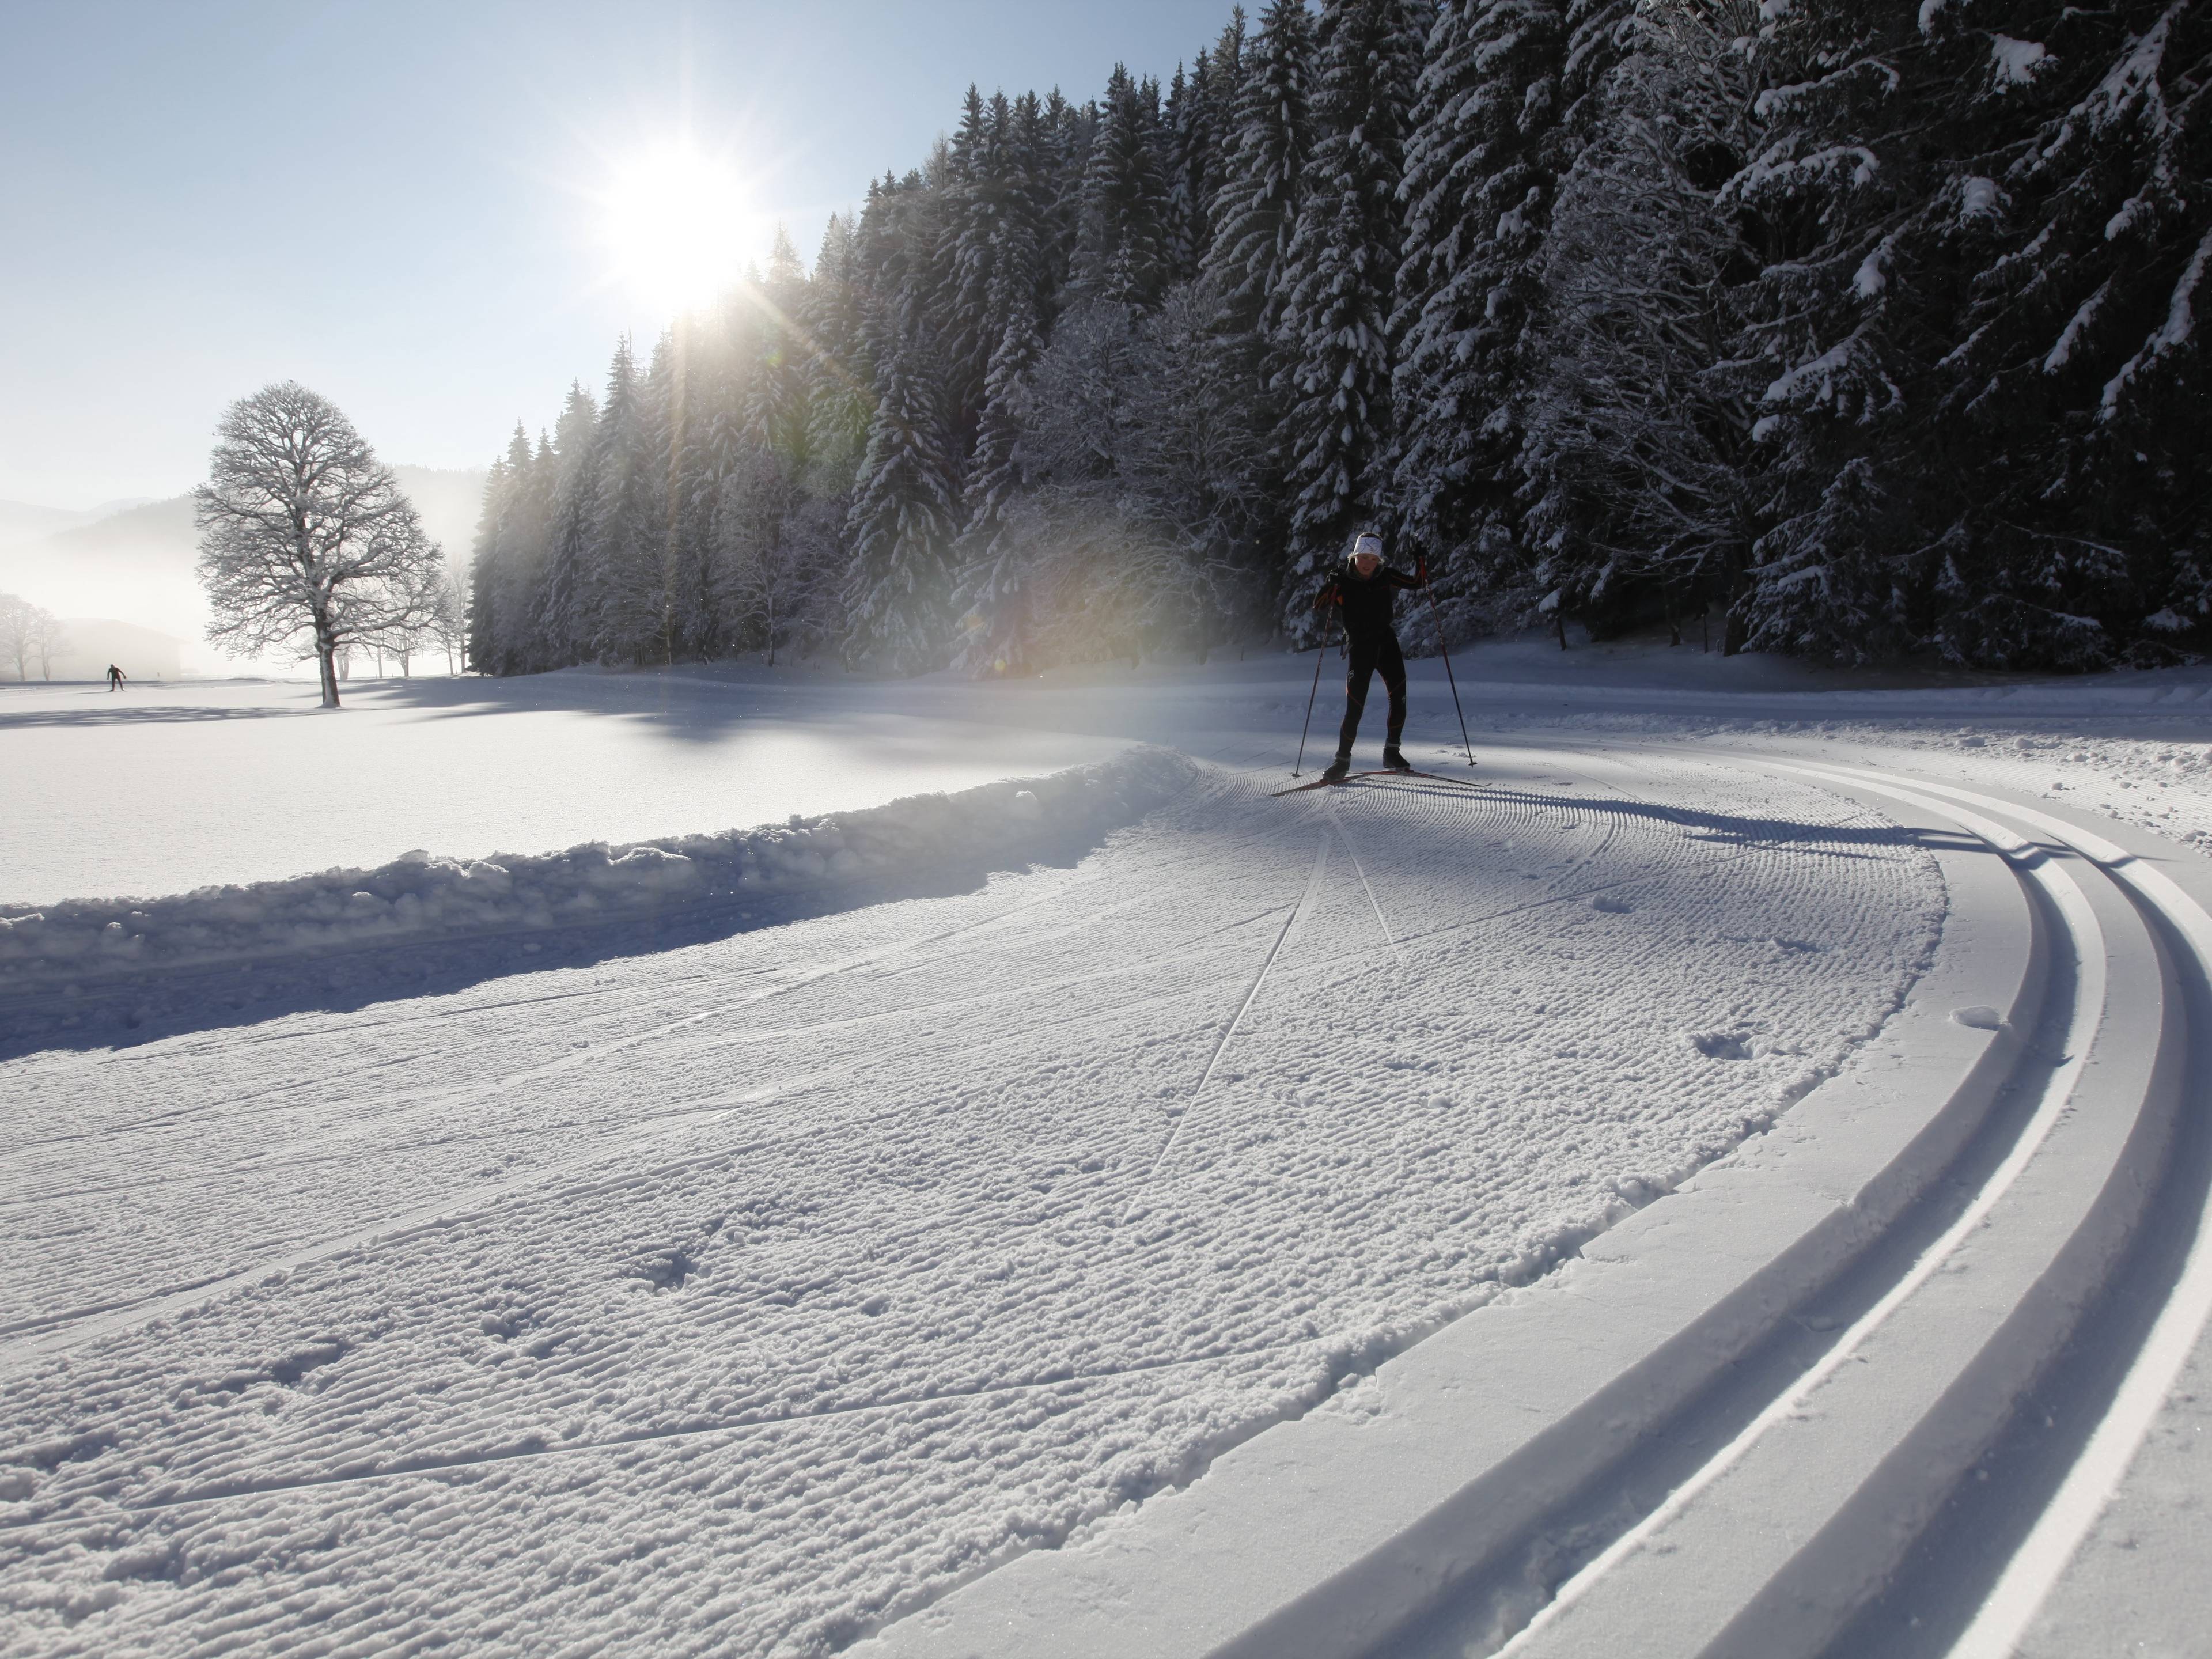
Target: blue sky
<point>406,205</point>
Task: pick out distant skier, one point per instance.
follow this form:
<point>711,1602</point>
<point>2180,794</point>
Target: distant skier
<point>1364,588</point>
<point>115,678</point>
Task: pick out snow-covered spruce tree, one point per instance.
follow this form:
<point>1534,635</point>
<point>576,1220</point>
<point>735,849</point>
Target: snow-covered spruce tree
<point>1122,251</point>
<point>840,376</point>
<point>696,418</point>
<point>989,261</point>
<point>904,511</point>
<point>562,636</point>
<point>625,609</point>
<point>989,603</point>
<point>1093,576</point>
<point>1637,409</point>
<point>2079,369</point>
<point>1477,192</point>
<point>1255,213</point>
<point>1983,416</point>
<point>484,548</point>
<point>1192,463</point>
<point>1869,132</point>
<point>1215,113</point>
<point>778,408</point>
<point>756,498</point>
<point>1341,270</point>
<point>1198,119</point>
<point>1183,123</point>
<point>1067,129</point>
<point>497,586</point>
<point>305,539</point>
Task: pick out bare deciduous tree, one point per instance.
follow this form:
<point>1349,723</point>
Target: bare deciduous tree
<point>449,620</point>
<point>305,536</point>
<point>15,625</point>
<point>28,632</point>
<point>48,640</point>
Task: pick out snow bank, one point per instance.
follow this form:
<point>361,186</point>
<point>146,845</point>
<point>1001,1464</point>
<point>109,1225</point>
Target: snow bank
<point>423,898</point>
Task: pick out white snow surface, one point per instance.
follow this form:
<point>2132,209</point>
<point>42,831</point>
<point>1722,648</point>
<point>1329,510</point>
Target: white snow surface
<point>740,1283</point>
<point>159,789</point>
<point>420,897</point>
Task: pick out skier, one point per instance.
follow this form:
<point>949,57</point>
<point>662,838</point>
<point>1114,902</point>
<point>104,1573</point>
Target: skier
<point>1364,588</point>
<point>114,677</point>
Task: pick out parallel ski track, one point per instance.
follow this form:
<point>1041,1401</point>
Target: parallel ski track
<point>2014,1599</point>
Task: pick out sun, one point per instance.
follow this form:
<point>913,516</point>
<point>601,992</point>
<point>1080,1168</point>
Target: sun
<point>679,227</point>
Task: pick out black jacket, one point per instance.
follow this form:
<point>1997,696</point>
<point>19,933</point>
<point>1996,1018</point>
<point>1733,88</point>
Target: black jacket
<point>1368,602</point>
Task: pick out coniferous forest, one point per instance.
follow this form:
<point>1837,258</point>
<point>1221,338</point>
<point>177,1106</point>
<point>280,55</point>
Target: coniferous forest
<point>1856,331</point>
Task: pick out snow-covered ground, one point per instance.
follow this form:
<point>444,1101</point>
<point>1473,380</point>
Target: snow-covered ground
<point>160,789</point>
<point>737,1270</point>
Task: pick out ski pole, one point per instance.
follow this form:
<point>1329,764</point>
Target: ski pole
<point>1319,657</point>
<point>1437,616</point>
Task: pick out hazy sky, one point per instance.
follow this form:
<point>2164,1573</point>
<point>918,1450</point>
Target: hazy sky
<point>409,206</point>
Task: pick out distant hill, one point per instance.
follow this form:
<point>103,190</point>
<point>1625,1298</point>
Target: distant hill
<point>22,521</point>
<point>159,536</point>
<point>156,536</point>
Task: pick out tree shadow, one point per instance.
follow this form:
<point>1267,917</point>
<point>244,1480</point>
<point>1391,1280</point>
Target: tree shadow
<point>121,714</point>
<point>1724,829</point>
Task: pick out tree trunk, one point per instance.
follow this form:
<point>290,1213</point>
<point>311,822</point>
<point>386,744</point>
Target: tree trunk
<point>325,660</point>
<point>1560,617</point>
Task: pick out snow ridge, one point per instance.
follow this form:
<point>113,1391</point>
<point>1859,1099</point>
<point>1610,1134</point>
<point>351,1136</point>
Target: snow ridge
<point>422,897</point>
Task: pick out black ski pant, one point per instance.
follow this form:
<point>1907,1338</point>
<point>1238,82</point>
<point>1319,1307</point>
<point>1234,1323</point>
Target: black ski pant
<point>1379,651</point>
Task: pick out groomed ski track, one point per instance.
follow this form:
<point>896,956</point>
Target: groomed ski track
<point>1871,1322</point>
<point>1867,1390</point>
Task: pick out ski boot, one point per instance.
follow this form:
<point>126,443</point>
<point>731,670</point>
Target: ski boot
<point>1393,761</point>
<point>1338,769</point>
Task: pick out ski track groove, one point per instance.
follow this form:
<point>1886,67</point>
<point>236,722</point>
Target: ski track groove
<point>356,1131</point>
<point>1313,881</point>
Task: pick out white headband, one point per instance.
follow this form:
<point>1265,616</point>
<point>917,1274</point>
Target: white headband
<point>1368,541</point>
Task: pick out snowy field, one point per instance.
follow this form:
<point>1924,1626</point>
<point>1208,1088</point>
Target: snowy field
<point>717,1242</point>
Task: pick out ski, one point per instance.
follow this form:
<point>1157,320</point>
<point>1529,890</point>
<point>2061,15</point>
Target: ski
<point>1433,777</point>
<point>1380,772</point>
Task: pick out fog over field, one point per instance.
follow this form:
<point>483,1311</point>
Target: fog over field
<point>121,575</point>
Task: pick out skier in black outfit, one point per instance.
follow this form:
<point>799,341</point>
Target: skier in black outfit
<point>1365,588</point>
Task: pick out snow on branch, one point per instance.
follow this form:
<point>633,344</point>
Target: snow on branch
<point>2168,337</point>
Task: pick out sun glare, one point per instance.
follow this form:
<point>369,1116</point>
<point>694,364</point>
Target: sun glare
<point>679,228</point>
